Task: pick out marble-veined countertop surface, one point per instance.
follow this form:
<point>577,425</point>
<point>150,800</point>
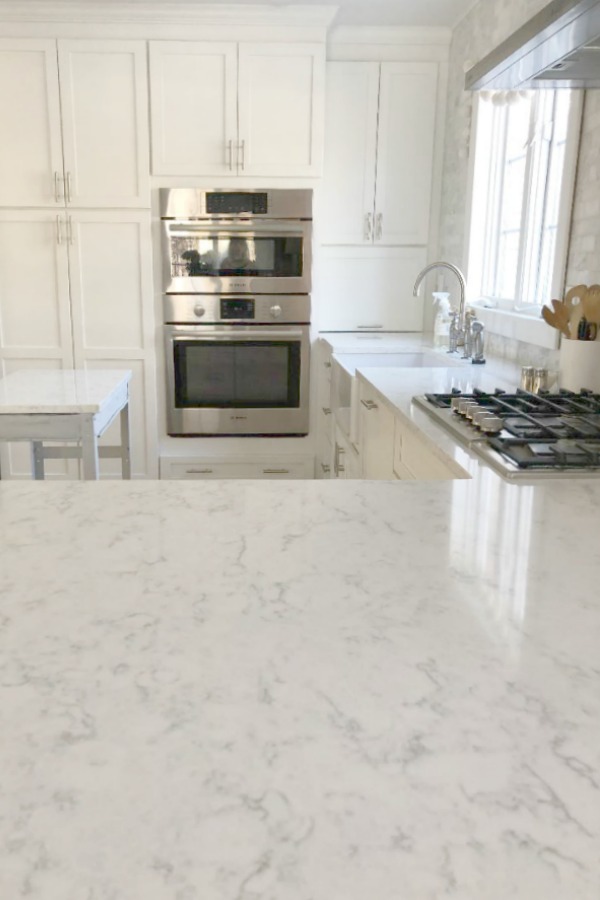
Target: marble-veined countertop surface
<point>40,391</point>
<point>300,690</point>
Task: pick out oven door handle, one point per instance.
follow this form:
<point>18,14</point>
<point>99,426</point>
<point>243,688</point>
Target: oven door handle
<point>240,229</point>
<point>203,334</point>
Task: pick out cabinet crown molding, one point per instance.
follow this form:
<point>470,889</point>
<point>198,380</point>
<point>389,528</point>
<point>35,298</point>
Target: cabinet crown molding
<point>167,12</point>
<point>403,35</point>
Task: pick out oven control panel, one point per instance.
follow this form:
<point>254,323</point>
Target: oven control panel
<point>237,308</point>
<point>236,203</point>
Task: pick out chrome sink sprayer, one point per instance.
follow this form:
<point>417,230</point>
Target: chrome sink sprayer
<point>465,330</point>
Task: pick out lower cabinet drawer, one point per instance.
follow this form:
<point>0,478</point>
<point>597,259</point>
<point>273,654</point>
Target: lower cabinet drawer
<point>420,461</point>
<point>191,469</point>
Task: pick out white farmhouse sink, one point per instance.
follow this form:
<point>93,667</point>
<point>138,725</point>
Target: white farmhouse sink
<point>427,359</point>
<point>344,388</point>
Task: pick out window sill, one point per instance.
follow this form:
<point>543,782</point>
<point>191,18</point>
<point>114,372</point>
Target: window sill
<point>520,326</point>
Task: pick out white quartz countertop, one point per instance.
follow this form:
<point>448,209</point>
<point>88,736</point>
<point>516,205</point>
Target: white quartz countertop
<point>300,690</point>
<point>31,391</point>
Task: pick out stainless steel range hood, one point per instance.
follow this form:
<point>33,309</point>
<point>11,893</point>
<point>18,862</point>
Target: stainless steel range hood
<point>559,47</point>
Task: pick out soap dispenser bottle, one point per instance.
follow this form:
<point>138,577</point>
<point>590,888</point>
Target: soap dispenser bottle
<point>443,318</point>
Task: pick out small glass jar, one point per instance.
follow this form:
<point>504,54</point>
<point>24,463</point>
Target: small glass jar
<point>540,380</point>
<point>527,378</point>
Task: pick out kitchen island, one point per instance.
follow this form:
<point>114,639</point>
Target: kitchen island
<point>300,690</point>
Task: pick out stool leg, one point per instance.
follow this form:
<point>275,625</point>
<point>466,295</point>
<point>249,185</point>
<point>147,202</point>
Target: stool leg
<point>37,460</point>
<point>89,450</point>
<point>125,449</point>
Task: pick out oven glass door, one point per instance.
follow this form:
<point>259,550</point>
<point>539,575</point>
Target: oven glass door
<point>205,257</point>
<point>234,374</point>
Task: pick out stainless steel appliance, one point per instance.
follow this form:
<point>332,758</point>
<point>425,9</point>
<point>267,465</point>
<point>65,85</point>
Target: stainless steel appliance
<point>237,365</point>
<point>558,47</point>
<point>524,435</point>
<point>237,277</point>
<point>232,241</point>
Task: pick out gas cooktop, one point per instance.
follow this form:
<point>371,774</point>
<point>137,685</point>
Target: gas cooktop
<point>524,434</point>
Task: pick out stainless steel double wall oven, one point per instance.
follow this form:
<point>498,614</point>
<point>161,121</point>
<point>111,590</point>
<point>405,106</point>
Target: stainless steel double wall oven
<point>237,280</point>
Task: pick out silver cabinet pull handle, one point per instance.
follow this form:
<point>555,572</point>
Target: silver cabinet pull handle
<point>68,186</point>
<point>368,227</point>
<point>325,467</point>
<point>276,471</point>
<point>337,468</point>
<point>70,230</point>
<point>378,226</point>
<point>326,410</point>
<point>57,195</point>
<point>198,471</point>
<point>243,154</point>
<point>369,404</point>
<point>369,326</point>
<point>230,154</point>
<point>59,238</point>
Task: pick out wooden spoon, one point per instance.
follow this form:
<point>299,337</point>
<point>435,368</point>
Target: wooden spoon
<point>574,302</point>
<point>557,317</point>
<point>591,304</point>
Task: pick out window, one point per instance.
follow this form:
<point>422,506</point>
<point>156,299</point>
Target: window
<point>523,179</point>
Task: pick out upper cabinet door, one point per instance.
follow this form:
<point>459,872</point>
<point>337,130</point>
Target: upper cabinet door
<point>281,109</point>
<point>347,196</point>
<point>31,166</point>
<point>193,95</point>
<point>405,153</point>
<point>105,123</point>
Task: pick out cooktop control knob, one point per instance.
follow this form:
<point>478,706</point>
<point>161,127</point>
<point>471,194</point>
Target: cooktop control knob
<point>276,311</point>
<point>199,310</point>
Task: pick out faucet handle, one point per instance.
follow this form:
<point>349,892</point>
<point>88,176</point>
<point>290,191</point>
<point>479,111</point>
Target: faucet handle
<point>477,329</point>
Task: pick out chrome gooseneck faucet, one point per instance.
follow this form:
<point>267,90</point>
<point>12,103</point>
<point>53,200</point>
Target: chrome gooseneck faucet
<point>460,330</point>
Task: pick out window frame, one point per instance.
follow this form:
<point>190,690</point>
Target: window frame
<point>508,316</point>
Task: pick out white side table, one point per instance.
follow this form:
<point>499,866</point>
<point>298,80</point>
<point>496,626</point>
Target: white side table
<point>71,405</point>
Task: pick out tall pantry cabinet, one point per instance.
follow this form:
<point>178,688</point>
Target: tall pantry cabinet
<point>75,245</point>
<point>382,129</point>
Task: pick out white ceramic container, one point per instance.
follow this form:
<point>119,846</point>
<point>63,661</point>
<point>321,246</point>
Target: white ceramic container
<point>579,365</point>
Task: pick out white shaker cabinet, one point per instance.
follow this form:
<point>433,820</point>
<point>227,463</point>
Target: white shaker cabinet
<point>104,102</point>
<point>74,123</point>
<point>75,290</point>
<point>31,164</point>
<point>405,152</point>
<point>348,190</point>
<point>379,152</point>
<point>194,107</point>
<point>369,289</point>
<point>281,97</point>
<point>376,428</point>
<point>35,317</point>
<point>237,109</point>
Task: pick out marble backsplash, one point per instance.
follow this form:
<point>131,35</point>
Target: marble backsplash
<point>522,354</point>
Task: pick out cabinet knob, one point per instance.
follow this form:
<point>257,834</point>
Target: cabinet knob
<point>276,311</point>
<point>199,310</point>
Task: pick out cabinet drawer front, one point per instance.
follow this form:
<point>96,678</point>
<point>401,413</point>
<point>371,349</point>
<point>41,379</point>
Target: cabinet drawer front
<point>207,469</point>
